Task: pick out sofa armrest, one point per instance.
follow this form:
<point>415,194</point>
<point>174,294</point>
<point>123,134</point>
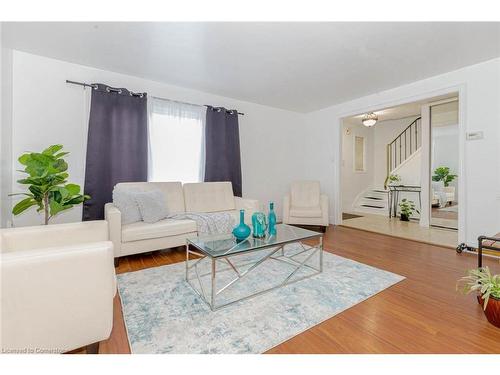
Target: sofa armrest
<point>42,236</point>
<point>324,209</point>
<point>114,218</point>
<point>57,299</point>
<point>286,209</point>
<point>249,205</point>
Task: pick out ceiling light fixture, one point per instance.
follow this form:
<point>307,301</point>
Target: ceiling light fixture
<point>369,119</point>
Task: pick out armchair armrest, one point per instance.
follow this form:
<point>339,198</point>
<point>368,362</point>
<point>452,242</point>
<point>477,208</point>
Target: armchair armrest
<point>114,218</point>
<point>43,236</point>
<point>286,209</point>
<point>57,298</point>
<point>249,205</point>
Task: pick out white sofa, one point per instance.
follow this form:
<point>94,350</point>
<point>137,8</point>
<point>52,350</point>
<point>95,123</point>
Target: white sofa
<point>305,205</point>
<point>142,237</point>
<point>58,284</point>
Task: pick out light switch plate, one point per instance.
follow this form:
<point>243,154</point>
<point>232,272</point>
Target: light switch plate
<point>473,136</point>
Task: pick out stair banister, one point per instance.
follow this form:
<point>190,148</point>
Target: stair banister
<point>392,159</point>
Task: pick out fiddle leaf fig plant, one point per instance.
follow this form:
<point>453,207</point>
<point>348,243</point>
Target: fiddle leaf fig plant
<point>443,174</point>
<point>46,178</point>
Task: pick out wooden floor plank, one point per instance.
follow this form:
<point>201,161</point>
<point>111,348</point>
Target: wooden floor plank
<point>422,314</point>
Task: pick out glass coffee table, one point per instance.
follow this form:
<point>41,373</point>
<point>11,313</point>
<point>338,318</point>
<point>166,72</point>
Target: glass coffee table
<point>217,266</point>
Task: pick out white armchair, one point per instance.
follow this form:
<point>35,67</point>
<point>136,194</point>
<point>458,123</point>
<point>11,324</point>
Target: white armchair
<point>58,284</point>
<point>305,205</point>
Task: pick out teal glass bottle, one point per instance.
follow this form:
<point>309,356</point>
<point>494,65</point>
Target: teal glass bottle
<point>241,231</point>
<point>272,220</point>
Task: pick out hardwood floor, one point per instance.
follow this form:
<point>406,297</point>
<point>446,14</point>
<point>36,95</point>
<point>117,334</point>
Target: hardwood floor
<point>422,314</point>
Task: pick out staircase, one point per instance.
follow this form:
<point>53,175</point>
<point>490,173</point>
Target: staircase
<point>404,145</point>
<point>374,201</point>
<point>401,152</point>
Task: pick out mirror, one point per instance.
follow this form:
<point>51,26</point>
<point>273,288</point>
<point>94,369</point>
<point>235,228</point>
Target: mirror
<point>444,164</point>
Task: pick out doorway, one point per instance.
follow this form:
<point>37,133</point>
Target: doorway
<point>408,146</point>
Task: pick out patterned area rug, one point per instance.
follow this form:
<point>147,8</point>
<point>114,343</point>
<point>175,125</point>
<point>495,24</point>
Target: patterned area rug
<point>164,315</point>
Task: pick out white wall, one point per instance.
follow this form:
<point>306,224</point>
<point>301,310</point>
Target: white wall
<point>46,110</point>
<point>480,84</point>
<point>5,134</point>
<point>355,182</point>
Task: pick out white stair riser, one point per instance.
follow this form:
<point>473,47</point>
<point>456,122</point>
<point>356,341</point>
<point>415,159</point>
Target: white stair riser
<point>382,202</point>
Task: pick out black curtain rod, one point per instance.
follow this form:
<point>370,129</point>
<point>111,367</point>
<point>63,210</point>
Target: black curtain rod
<point>228,110</point>
<point>81,84</point>
<point>108,88</point>
<point>95,87</point>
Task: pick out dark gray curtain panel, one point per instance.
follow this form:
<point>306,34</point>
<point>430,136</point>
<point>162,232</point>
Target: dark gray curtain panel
<point>117,146</point>
<point>222,147</point>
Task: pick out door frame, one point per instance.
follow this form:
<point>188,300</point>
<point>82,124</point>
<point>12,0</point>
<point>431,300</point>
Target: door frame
<point>460,90</point>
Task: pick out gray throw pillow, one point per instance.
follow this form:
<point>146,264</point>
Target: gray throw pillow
<point>152,206</point>
<point>124,200</point>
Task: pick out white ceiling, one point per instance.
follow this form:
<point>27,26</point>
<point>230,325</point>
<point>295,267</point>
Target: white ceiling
<point>296,66</point>
<point>393,113</point>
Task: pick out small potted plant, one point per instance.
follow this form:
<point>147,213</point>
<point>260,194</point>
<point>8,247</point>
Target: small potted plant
<point>392,179</point>
<point>406,209</point>
<point>487,286</point>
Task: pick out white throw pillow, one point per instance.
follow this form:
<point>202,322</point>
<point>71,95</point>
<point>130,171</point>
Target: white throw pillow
<point>152,205</point>
<point>124,200</point>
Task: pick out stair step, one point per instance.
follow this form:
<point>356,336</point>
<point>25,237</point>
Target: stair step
<point>374,198</point>
<point>380,191</point>
<point>372,206</point>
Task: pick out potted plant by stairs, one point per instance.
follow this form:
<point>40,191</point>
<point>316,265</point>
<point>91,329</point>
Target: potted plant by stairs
<point>406,209</point>
<point>487,286</point>
<point>392,179</point>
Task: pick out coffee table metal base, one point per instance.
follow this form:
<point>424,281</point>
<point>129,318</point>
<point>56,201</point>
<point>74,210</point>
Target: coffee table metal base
<point>277,254</point>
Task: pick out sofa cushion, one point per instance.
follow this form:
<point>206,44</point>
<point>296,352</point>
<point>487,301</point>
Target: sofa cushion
<point>163,228</point>
<point>305,211</point>
<point>172,191</point>
<point>124,200</point>
<point>151,205</point>
<point>305,194</point>
<point>209,197</point>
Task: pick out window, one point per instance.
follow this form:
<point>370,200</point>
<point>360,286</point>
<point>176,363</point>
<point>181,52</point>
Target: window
<point>176,141</point>
<point>359,154</point>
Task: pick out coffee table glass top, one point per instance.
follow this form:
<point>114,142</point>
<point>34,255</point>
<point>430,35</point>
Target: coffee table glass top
<point>225,244</point>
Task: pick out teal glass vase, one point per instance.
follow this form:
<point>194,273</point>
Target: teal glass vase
<point>271,220</point>
<point>242,231</point>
